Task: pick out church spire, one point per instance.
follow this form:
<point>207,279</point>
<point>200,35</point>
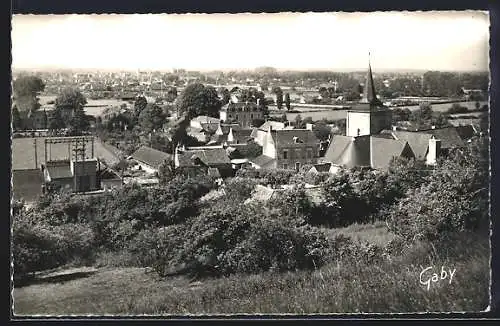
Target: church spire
<point>369,94</point>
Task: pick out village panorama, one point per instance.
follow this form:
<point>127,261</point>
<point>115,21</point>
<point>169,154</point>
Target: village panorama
<point>258,189</point>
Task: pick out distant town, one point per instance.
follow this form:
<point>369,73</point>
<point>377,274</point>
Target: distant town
<point>131,117</point>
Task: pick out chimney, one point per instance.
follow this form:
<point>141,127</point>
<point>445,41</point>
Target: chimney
<point>309,126</point>
<point>394,128</point>
<point>295,139</point>
<point>258,102</point>
<point>433,127</point>
<point>270,128</point>
<point>434,150</point>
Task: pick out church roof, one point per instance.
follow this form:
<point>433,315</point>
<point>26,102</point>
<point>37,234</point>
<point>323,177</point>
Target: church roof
<point>349,151</point>
<point>366,151</point>
<point>370,100</point>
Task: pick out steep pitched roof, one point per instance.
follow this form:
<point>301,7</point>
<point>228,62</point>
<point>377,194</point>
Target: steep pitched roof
<point>209,157</point>
<point>242,135</point>
<point>349,151</point>
<point>369,94</point>
<point>321,167</point>
<point>418,141</point>
<point>383,150</point>
<point>151,156</point>
<point>262,160</point>
<point>286,137</point>
<point>449,137</point>
<point>466,131</point>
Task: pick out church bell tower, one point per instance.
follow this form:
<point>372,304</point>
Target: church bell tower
<point>369,116</point>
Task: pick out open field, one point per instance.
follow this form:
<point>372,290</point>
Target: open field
<point>93,107</point>
<point>318,114</point>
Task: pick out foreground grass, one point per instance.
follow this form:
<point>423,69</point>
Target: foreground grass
<point>375,233</point>
<point>349,287</point>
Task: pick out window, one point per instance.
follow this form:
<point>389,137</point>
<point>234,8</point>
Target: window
<point>285,166</point>
<point>297,166</point>
<point>251,115</point>
<point>309,153</point>
<point>285,154</point>
<point>230,116</point>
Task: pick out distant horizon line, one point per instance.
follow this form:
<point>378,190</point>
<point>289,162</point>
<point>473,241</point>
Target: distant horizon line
<point>250,69</point>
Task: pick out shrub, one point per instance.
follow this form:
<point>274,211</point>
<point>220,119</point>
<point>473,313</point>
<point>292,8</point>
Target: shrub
<point>225,240</point>
<point>239,189</point>
<point>37,246</point>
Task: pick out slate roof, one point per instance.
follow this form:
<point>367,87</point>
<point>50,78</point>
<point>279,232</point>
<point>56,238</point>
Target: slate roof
<point>27,184</point>
<point>449,137</point>
<point>384,150</point>
<point>349,151</point>
<point>418,141</point>
<point>366,151</point>
<point>286,137</point>
<point>209,157</point>
<point>322,167</point>
<point>262,160</point>
<point>242,135</point>
<point>23,152</point>
<point>369,94</point>
<point>151,156</point>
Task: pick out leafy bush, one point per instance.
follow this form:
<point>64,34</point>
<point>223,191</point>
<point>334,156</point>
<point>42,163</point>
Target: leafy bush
<point>239,189</point>
<point>37,246</point>
<point>222,241</point>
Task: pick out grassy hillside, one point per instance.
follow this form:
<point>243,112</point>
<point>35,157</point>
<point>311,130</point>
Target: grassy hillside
<point>343,287</point>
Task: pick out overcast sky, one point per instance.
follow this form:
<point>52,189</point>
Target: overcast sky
<point>336,41</point>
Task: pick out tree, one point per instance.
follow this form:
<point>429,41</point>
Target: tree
<point>322,130</point>
<point>79,122</point>
<point>422,116</point>
<point>151,118</point>
<point>226,95</point>
<point>56,121</point>
<point>26,90</point>
<point>287,101</point>
<point>16,119</point>
<point>279,96</point>
<point>298,121</point>
<point>171,94</point>
<point>196,99</point>
<point>70,99</point>
<point>139,105</point>
<point>477,105</point>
